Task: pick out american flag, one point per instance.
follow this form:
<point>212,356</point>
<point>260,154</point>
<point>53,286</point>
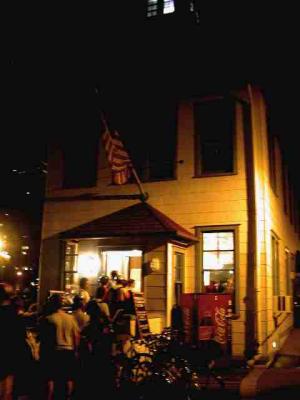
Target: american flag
<point>117,156</point>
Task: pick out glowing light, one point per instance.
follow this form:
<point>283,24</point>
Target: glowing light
<point>19,273</point>
<point>27,193</point>
<point>274,345</point>
<point>135,253</point>
<point>5,255</point>
<point>24,253</point>
<point>25,247</point>
<point>88,264</point>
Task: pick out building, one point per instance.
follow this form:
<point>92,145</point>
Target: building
<point>220,217</point>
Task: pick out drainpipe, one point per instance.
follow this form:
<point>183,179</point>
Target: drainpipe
<point>251,343</point>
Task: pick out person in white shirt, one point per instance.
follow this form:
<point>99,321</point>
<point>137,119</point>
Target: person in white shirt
<point>83,292</point>
<point>62,361</point>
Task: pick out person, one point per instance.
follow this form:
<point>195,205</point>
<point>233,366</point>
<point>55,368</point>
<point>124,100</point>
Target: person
<point>98,341</point>
<point>116,296</point>
<point>128,303</point>
<point>83,292</point>
<point>78,313</point>
<point>12,343</point>
<point>104,283</point>
<point>102,304</point>
<point>61,336</point>
<point>114,276</point>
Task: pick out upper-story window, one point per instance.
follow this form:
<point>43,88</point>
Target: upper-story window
<point>80,161</point>
<point>154,151</point>
<point>214,137</point>
<point>159,7</point>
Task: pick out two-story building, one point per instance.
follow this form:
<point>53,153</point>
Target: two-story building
<point>220,217</point>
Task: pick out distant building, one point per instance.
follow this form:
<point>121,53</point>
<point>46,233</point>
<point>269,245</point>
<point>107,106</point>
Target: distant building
<point>220,217</point>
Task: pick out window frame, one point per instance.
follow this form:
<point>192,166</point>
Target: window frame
<point>199,230</point>
<point>180,282</point>
<point>198,173</point>
<point>144,169</point>
<point>275,264</point>
<point>288,270</point>
<point>157,8</point>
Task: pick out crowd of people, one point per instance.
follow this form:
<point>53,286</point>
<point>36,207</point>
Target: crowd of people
<point>71,350</point>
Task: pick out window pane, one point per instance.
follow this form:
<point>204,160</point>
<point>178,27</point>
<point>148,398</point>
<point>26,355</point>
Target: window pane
<point>225,240</point>
<point>218,241</point>
<point>218,260</point>
<point>226,259</point>
<point>210,260</point>
<point>169,6</point>
<point>70,263</point>
<point>218,281</point>
<point>210,240</point>
<point>179,267</point>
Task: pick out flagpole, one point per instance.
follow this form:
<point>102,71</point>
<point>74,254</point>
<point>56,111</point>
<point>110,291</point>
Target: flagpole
<point>144,195</point>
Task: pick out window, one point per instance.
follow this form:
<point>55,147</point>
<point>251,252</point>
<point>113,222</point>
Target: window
<point>288,261</point>
<point>217,251</point>
<point>70,268</point>
<point>158,7</point>
<point>275,265</point>
<point>214,137</point>
<point>179,275</point>
<point>80,162</point>
<point>154,152</point>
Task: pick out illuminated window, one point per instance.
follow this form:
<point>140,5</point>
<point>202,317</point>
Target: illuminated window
<point>218,261</point>
<point>70,268</point>
<point>159,7</point>
<point>169,6</point>
<point>216,258</point>
<point>214,137</point>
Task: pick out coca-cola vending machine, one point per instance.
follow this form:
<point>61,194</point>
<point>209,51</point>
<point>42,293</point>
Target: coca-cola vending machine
<point>189,315</point>
<point>212,309</point>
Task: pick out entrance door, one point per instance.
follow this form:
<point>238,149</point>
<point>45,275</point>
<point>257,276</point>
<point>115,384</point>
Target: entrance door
<point>127,263</point>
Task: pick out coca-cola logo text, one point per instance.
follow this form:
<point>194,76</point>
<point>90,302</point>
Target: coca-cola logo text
<point>220,333</point>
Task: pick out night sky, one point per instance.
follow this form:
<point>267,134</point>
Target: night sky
<point>56,61</point>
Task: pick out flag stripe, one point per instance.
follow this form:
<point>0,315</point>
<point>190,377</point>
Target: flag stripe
<point>117,156</point>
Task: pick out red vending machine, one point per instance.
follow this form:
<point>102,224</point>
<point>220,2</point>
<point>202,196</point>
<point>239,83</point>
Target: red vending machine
<point>212,309</point>
<point>188,303</point>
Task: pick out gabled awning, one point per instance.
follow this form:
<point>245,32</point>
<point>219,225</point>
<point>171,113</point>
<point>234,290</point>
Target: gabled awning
<point>138,220</point>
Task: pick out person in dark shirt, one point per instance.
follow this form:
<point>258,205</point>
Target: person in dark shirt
<point>12,344</point>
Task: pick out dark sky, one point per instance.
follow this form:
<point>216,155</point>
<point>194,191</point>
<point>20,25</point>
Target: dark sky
<point>57,59</point>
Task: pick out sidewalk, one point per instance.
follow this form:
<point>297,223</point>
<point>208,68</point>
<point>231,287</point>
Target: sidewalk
<point>282,376</point>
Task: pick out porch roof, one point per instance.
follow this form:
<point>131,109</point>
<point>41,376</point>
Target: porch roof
<point>140,219</point>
